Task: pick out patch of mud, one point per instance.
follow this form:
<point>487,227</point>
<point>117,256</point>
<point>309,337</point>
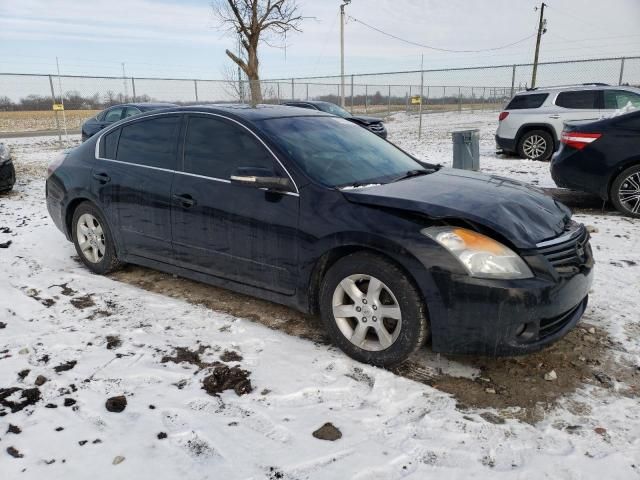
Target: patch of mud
<point>84,301</point>
<point>65,366</point>
<point>15,399</point>
<point>224,378</point>
<point>184,355</point>
<point>230,356</point>
<point>518,384</point>
<point>113,341</point>
<point>272,315</point>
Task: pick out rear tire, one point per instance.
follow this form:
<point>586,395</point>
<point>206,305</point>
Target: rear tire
<point>625,192</point>
<point>536,145</point>
<point>371,310</point>
<point>93,239</point>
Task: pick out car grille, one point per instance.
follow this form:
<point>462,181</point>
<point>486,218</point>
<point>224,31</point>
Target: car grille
<point>376,127</point>
<point>568,251</point>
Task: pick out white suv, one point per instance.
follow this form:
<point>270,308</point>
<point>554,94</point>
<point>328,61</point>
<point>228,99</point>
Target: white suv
<point>532,122</point>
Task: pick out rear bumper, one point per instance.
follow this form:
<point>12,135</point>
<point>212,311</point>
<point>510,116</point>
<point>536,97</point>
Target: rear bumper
<point>7,176</point>
<point>576,170</point>
<point>506,144</point>
<point>55,196</point>
<point>504,318</point>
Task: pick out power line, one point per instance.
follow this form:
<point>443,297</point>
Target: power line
<point>448,50</point>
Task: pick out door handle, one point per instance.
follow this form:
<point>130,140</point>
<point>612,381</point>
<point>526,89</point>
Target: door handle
<point>102,177</point>
<point>185,200</point>
<point>554,116</point>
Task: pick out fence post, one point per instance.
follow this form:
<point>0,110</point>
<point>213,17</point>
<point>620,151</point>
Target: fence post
<point>420,105</point>
<point>293,92</point>
<point>621,71</point>
<point>133,88</point>
<point>366,98</point>
<point>513,80</point>
<point>307,92</point>
<point>195,87</point>
<point>459,99</point>
<point>53,99</point>
<point>351,94</point>
<point>389,103</point>
<point>409,97</point>
<point>278,88</point>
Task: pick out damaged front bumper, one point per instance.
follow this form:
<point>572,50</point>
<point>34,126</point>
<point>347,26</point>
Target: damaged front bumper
<point>512,317</point>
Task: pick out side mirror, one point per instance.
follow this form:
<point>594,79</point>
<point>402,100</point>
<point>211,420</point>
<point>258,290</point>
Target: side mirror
<point>258,177</point>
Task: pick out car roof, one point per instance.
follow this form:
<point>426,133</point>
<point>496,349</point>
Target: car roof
<point>592,86</point>
<point>248,112</point>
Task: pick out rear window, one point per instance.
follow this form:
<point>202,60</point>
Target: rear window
<point>150,142</point>
<point>581,99</point>
<point>532,100</point>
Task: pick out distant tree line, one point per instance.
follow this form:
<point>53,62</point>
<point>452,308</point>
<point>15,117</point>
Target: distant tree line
<point>73,100</point>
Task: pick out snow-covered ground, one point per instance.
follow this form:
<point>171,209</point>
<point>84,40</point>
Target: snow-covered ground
<point>54,311</point>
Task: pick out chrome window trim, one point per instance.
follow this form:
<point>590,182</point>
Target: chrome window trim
<point>562,238</point>
<point>120,125</point>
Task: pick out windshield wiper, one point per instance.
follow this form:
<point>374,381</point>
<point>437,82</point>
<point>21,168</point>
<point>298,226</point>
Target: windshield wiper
<point>412,173</point>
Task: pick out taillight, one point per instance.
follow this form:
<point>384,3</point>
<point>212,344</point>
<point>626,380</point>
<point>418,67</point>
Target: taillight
<point>579,140</point>
<point>502,116</point>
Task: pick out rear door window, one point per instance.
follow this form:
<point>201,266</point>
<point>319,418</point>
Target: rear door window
<point>614,99</point>
<point>579,99</point>
<point>215,148</point>
<point>532,100</point>
<point>152,143</point>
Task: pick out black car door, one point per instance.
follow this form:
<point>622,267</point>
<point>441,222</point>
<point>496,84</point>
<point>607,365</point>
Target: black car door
<point>132,179</point>
<point>232,231</point>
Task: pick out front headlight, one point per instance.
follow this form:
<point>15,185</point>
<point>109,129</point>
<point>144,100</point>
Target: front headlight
<point>480,255</point>
<point>5,153</point>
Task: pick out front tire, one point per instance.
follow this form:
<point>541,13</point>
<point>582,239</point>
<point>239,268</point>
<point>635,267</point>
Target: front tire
<point>372,311</point>
<point>93,239</point>
<point>536,145</point>
<point>625,192</point>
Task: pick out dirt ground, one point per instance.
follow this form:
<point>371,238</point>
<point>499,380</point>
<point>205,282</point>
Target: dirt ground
<point>516,386</point>
<point>42,120</point>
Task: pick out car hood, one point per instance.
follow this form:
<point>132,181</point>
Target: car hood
<point>522,214</point>
<point>365,120</point>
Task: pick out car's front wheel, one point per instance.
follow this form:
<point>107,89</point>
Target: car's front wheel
<point>536,145</point>
<point>625,192</point>
<point>372,311</point>
<point>93,239</point>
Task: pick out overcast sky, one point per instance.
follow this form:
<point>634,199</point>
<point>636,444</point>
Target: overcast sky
<point>179,38</point>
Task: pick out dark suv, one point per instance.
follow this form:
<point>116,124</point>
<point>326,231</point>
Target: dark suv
<point>309,210</point>
<point>370,123</point>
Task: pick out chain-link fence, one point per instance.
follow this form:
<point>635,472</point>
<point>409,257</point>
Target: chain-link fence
<point>462,89</point>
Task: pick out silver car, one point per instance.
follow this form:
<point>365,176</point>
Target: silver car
<point>532,122</point>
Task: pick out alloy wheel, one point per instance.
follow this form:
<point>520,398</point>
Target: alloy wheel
<point>90,238</point>
<point>629,193</point>
<point>367,312</point>
<point>534,146</point>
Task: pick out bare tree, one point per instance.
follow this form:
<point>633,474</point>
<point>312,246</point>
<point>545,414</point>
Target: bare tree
<point>256,21</point>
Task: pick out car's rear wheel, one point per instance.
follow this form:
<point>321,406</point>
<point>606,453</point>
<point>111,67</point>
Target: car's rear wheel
<point>93,239</point>
<point>536,145</point>
<point>625,192</point>
<point>371,310</point>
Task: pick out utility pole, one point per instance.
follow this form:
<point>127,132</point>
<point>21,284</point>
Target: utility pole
<point>124,82</point>
<point>344,4</point>
<point>541,29</point>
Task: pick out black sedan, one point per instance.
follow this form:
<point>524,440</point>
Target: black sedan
<point>117,112</point>
<point>602,158</point>
<point>7,170</point>
<point>370,123</point>
<point>309,210</point>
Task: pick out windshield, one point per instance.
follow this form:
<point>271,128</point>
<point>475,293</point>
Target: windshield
<point>338,153</point>
<point>333,109</point>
